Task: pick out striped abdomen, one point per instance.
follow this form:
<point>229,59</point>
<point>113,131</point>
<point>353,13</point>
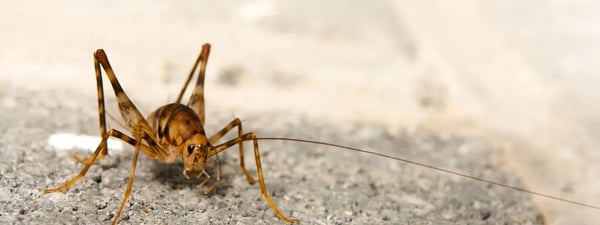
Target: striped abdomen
<point>175,123</point>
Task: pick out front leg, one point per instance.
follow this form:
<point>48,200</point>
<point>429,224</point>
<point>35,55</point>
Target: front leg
<point>96,156</point>
<point>217,179</point>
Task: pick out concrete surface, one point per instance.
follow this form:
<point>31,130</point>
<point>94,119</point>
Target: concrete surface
<point>499,90</point>
<point>319,185</point>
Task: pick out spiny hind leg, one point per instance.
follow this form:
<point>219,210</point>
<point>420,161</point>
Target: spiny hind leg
<point>203,55</point>
<point>101,118</point>
<point>132,116</point>
<point>234,123</point>
<point>252,137</point>
<point>196,101</point>
<point>134,121</point>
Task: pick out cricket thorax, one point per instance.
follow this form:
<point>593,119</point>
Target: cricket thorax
<point>179,130</point>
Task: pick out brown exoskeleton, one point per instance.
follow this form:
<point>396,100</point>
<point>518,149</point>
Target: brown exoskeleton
<point>177,130</point>
<point>170,132</point>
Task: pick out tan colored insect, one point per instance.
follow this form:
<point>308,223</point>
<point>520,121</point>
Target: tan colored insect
<point>177,130</point>
<point>172,131</point>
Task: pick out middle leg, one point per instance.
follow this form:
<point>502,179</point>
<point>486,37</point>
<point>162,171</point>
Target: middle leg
<point>234,123</point>
<point>261,180</point>
<point>97,155</point>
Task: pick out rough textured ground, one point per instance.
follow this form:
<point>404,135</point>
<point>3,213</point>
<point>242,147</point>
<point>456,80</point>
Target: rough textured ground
<point>317,184</point>
<point>505,90</point>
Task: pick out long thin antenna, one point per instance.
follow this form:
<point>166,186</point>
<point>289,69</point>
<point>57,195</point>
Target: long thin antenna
<point>433,168</point>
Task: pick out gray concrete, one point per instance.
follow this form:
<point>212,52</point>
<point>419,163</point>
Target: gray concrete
<point>316,184</point>
<point>499,90</point>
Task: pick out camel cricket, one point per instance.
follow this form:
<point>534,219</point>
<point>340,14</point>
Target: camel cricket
<point>172,131</point>
<point>176,130</point>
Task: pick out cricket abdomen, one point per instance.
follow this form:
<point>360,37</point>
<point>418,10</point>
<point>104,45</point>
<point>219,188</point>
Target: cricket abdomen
<point>175,123</point>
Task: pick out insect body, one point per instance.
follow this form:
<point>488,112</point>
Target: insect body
<point>176,131</point>
<point>172,131</point>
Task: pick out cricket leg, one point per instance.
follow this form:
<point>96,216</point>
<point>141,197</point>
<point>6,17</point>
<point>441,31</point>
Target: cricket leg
<point>101,116</point>
<point>234,123</point>
<point>131,115</point>
<point>201,184</point>
<point>93,158</point>
<point>134,121</point>
<point>217,179</point>
<point>130,182</point>
<point>203,56</point>
<point>196,101</point>
<point>252,137</point>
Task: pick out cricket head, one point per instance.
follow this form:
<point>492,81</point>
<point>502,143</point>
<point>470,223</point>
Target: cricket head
<point>194,154</point>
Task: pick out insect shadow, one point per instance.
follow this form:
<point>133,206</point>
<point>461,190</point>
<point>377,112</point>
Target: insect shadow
<point>169,174</point>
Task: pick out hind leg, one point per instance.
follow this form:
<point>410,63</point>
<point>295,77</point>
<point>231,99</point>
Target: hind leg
<point>196,101</point>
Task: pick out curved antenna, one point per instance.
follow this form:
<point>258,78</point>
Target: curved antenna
<point>433,168</point>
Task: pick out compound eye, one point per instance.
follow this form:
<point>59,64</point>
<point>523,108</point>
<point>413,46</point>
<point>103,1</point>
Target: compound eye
<point>190,149</point>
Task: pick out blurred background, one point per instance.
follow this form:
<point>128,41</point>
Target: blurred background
<point>521,73</point>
